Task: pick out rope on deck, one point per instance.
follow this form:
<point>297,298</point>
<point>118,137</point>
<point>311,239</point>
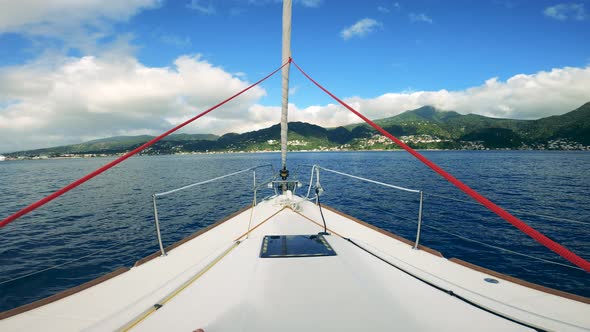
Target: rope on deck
<point>141,317</point>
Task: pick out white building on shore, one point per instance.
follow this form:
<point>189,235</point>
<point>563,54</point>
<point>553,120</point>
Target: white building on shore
<point>2,158</point>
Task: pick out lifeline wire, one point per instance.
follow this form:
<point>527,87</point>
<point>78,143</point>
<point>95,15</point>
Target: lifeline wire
<point>502,249</point>
<point>515,210</point>
<point>60,265</point>
<point>475,241</point>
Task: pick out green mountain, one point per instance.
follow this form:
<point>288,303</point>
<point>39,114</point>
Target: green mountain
<point>112,145</point>
<point>574,125</point>
<point>491,132</point>
<point>425,127</point>
<point>302,136</point>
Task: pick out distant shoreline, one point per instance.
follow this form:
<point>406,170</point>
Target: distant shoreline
<point>92,156</point>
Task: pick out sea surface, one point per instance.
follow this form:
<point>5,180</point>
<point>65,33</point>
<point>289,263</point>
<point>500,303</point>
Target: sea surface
<point>108,222</point>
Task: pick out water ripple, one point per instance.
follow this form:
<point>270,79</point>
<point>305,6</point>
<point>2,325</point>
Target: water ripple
<point>115,209</point>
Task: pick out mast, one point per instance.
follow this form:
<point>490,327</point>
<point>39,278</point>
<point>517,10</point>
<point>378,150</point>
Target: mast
<point>285,84</point>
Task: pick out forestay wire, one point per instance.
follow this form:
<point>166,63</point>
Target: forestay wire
<point>115,162</point>
<point>522,226</point>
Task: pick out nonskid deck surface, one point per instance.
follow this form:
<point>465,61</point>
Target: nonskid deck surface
<point>351,291</point>
<point>377,284</point>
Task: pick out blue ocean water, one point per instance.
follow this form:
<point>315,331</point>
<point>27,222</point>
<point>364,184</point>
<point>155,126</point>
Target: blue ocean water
<point>111,217</point>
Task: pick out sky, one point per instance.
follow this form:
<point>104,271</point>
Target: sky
<point>73,71</point>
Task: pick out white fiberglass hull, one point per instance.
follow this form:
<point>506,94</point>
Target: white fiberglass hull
<point>217,281</point>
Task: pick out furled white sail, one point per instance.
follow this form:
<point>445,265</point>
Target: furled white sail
<point>285,81</point>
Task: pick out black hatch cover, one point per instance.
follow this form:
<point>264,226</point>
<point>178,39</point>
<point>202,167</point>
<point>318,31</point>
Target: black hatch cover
<point>275,246</point>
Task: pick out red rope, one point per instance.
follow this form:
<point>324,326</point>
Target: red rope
<point>528,230</point>
<point>113,163</point>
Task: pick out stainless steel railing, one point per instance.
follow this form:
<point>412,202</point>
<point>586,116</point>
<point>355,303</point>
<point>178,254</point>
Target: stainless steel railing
<point>315,170</point>
<point>255,188</point>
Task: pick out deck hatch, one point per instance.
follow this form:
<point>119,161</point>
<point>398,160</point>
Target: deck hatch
<point>275,246</point>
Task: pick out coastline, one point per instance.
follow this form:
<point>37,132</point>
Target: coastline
<point>90,156</point>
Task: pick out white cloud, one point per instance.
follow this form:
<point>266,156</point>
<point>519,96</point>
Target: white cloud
<point>304,3</point>
<point>506,4</point>
<point>330,115</point>
<point>41,17</point>
<point>522,96</point>
<point>176,40</point>
<point>56,102</point>
<point>383,10</point>
<point>360,28</point>
<point>68,24</point>
<point>566,11</point>
<point>309,3</point>
<point>420,18</point>
<point>198,5</point>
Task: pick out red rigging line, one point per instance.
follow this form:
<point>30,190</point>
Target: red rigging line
<point>113,163</point>
<point>522,226</point>
<point>539,237</point>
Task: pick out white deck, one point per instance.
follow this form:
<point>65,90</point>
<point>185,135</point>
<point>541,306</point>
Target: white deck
<point>351,291</point>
